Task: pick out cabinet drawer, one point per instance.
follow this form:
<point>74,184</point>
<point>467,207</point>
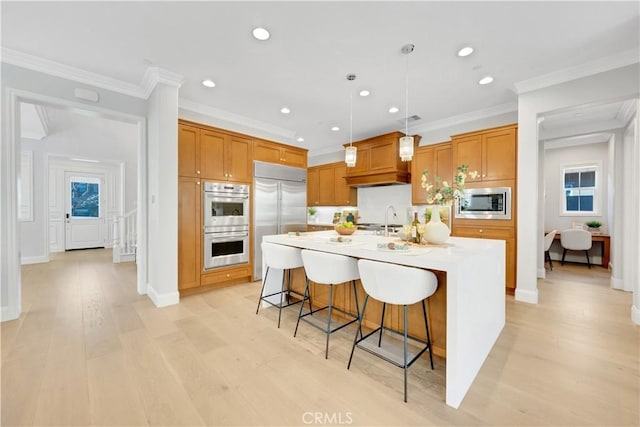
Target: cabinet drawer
<point>227,274</point>
<point>484,232</point>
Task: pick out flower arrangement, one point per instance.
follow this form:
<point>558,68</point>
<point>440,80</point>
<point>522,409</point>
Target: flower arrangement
<point>442,192</point>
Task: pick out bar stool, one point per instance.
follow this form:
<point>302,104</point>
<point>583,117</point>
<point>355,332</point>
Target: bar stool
<point>397,285</point>
<point>285,258</point>
<point>332,270</point>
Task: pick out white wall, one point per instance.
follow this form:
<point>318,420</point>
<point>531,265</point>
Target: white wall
<point>554,160</point>
<point>33,240</point>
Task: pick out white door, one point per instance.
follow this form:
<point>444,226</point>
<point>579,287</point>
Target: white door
<point>84,222</point>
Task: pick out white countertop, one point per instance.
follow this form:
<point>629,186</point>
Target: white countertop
<point>475,271</point>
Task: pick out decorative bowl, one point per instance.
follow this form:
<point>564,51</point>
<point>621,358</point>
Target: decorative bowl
<point>345,231</point>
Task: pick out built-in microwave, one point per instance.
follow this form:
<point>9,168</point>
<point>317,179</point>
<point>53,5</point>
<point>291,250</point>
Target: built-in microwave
<point>485,203</point>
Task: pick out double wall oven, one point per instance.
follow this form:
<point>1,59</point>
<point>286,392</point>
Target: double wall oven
<point>226,224</point>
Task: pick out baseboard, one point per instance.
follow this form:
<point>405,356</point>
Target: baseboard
<point>163,300</point>
<point>635,314</point>
<point>8,313</point>
<point>124,258</point>
<point>34,259</point>
<point>542,272</point>
<point>527,296</point>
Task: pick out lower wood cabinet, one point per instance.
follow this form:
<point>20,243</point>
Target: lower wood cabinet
<point>501,233</point>
<point>189,232</point>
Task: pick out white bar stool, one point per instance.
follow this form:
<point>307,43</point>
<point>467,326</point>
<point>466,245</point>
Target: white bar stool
<point>284,258</point>
<point>332,270</point>
<point>398,285</point>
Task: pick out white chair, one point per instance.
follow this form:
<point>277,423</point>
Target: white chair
<point>575,240</point>
<point>331,270</point>
<point>285,258</point>
<point>548,240</point>
<point>398,285</point>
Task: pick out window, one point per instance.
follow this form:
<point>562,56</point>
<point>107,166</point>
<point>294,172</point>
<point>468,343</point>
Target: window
<point>85,198</point>
<point>580,190</point>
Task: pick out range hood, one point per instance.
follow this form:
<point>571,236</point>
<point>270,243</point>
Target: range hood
<point>378,162</point>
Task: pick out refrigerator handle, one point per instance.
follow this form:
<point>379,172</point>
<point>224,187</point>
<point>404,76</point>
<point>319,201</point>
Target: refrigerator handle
<point>279,208</point>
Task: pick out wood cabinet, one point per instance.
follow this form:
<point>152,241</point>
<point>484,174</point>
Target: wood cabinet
<point>438,160</point>
<point>491,152</point>
<point>378,161</point>
<point>189,232</point>
<point>272,152</point>
<point>210,154</point>
<point>501,233</point>
<point>326,186</point>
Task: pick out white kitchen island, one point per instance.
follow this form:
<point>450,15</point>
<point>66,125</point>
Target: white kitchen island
<point>475,274</point>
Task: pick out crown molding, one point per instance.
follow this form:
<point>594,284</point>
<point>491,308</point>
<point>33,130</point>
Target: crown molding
<point>627,109</point>
<point>612,62</point>
<point>57,69</point>
<point>236,119</point>
<point>497,110</point>
<point>155,75</point>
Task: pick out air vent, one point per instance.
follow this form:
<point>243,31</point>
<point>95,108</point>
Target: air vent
<point>410,119</point>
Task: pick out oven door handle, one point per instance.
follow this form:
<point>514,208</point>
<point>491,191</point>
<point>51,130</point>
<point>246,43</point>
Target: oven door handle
<point>226,237</point>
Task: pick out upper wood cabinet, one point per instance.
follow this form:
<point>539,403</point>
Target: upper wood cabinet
<point>378,161</point>
<point>492,152</point>
<point>437,159</point>
<point>326,186</point>
<point>208,153</point>
<point>272,152</point>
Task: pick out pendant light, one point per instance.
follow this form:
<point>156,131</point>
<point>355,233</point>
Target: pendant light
<point>406,142</point>
<point>351,152</point>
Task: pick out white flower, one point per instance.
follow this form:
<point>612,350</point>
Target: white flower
<point>462,175</point>
<point>474,174</point>
<point>445,184</point>
<point>438,197</point>
<point>423,179</point>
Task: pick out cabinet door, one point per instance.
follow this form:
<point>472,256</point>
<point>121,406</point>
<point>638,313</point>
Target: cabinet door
<point>326,186</point>
<point>343,194</point>
<point>297,158</point>
<point>468,151</point>
<point>238,159</point>
<point>266,152</point>
<point>313,187</point>
<point>189,232</point>
<point>422,159</point>
<point>443,161</point>
<point>212,155</point>
<point>499,155</point>
<point>188,151</point>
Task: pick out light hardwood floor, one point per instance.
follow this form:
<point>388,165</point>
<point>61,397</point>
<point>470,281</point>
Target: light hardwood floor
<point>88,350</point>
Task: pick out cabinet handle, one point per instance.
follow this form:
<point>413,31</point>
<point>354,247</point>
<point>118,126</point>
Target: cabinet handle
<point>230,176</point>
<point>228,275</point>
<point>198,172</point>
<point>198,182</point>
<point>483,175</point>
<point>481,230</point>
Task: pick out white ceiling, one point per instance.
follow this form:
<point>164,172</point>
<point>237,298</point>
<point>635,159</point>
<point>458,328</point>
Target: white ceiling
<point>314,45</point>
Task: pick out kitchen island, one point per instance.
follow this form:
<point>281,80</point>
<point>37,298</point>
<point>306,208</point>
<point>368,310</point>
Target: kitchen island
<point>474,273</point>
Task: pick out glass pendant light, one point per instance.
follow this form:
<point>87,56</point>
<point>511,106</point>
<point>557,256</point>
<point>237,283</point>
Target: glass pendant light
<point>351,152</point>
<point>406,142</point>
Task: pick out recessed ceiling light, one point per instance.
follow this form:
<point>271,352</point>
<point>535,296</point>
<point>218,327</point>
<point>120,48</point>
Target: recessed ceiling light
<point>394,110</point>
<point>364,93</point>
<point>300,139</point>
<point>335,128</point>
<point>485,80</point>
<point>465,51</point>
<point>208,83</point>
<point>285,110</point>
<point>261,33</point>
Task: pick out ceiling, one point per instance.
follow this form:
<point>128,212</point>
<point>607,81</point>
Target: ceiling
<point>314,45</point>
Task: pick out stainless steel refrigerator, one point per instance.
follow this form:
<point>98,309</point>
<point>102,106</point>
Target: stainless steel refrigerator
<point>279,206</point>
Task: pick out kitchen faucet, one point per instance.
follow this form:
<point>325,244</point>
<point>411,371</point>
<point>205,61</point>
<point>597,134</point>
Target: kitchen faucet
<point>386,219</point>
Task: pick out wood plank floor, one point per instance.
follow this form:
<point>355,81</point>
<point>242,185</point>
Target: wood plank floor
<point>88,350</point>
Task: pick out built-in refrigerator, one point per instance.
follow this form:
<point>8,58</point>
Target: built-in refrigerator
<point>279,204</point>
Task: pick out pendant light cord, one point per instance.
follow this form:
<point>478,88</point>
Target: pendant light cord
<point>350,118</point>
<point>406,97</point>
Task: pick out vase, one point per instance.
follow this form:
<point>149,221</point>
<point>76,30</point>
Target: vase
<point>436,232</point>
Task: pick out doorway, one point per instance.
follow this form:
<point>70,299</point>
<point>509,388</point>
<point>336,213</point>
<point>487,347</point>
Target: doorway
<point>84,219</point>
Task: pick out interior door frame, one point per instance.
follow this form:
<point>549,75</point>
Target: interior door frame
<point>11,102</point>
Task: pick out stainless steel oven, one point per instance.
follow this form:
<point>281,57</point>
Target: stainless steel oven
<point>227,245</point>
<point>226,224</point>
<point>225,204</point>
